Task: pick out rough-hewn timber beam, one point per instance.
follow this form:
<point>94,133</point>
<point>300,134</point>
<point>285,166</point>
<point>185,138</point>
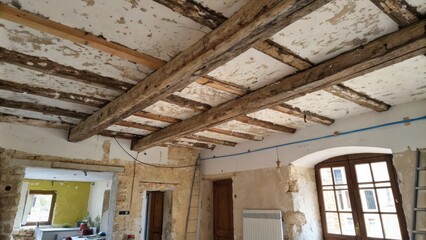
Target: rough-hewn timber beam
<point>192,144</point>
<point>241,135</point>
<point>77,36</point>
<point>42,109</point>
<point>138,126</point>
<point>46,66</point>
<point>212,19</point>
<point>187,103</point>
<point>50,93</point>
<point>222,86</point>
<point>258,20</point>
<point>306,115</point>
<point>264,124</point>
<point>211,140</point>
<point>356,97</point>
<point>382,52</point>
<point>399,10</point>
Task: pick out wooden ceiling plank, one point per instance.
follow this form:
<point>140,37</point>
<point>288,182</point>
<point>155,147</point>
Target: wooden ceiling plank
<point>264,124</point>
<point>399,11</point>
<point>385,51</point>
<point>46,66</point>
<point>156,117</point>
<point>138,126</point>
<point>187,103</point>
<point>236,134</point>
<point>222,86</point>
<point>212,19</point>
<point>42,109</point>
<point>361,99</point>
<point>192,144</point>
<point>77,36</point>
<point>50,93</point>
<point>306,115</point>
<point>211,140</point>
<point>255,21</point>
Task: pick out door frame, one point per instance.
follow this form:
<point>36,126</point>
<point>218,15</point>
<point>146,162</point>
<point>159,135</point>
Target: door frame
<point>231,199</point>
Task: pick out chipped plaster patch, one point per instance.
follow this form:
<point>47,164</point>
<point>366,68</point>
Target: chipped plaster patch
<point>226,7</point>
<point>146,121</point>
<point>420,5</point>
<point>37,115</point>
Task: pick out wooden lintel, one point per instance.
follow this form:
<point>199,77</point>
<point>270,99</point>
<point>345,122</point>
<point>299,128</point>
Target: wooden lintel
<point>382,52</point>
<point>236,134</point>
<point>255,21</point>
<point>361,99</point>
<point>77,36</point>
<point>211,140</point>
<point>306,115</point>
<point>187,103</point>
<point>399,10</point>
<point>42,109</point>
<point>264,124</point>
<point>222,86</point>
<point>138,126</point>
<point>87,167</point>
<point>50,93</point>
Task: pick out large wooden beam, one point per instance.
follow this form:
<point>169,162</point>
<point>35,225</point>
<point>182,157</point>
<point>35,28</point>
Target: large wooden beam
<point>50,93</point>
<point>382,52</point>
<point>264,124</point>
<point>46,66</point>
<point>258,20</point>
<point>77,36</point>
<point>306,115</point>
<point>356,97</point>
<point>399,10</point>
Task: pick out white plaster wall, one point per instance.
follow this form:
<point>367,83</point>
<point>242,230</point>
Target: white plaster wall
<point>395,138</point>
<point>96,197</point>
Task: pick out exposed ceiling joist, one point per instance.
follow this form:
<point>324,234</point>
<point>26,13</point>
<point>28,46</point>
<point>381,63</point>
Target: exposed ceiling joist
<point>264,124</point>
<point>47,66</point>
<point>211,140</point>
<point>255,21</point>
<point>245,136</point>
<point>138,126</point>
<point>76,36</point>
<point>42,109</point>
<point>306,115</point>
<point>356,97</point>
<point>222,86</point>
<point>382,52</point>
<point>50,93</point>
<point>156,117</point>
<point>399,10</point>
<point>187,103</point>
<point>192,144</point>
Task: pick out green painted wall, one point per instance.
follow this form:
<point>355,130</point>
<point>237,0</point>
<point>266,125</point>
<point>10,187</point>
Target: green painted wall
<point>71,199</point>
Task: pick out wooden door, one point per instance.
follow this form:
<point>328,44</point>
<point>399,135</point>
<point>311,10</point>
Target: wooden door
<point>155,228</point>
<point>223,210</point>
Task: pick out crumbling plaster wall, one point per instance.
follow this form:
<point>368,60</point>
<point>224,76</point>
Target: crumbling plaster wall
<point>136,179</point>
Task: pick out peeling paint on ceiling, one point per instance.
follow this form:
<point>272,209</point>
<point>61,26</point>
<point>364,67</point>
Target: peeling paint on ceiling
<point>226,7</point>
<point>170,110</point>
<point>205,94</point>
<point>146,121</point>
<point>335,28</point>
<point>37,115</point>
<point>420,5</point>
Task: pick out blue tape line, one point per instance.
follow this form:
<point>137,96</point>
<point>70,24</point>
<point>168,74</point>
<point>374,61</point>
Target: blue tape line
<point>319,138</point>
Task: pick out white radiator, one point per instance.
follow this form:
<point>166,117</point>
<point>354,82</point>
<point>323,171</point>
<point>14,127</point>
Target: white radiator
<point>262,225</point>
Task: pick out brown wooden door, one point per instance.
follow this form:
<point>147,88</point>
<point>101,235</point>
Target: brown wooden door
<point>155,228</point>
<point>223,210</point>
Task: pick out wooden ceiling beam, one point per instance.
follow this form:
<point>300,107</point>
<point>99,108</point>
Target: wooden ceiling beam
<point>156,117</point>
<point>192,144</point>
<point>264,124</point>
<point>241,135</point>
<point>222,86</point>
<point>46,66</point>
<point>361,99</point>
<point>50,93</point>
<point>399,11</point>
<point>385,51</point>
<point>257,20</point>
<point>138,126</point>
<point>42,109</point>
<point>211,140</point>
<point>187,103</point>
<point>306,115</point>
<point>77,36</point>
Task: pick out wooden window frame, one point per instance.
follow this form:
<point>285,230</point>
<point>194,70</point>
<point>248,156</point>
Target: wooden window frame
<point>349,161</point>
<point>52,206</point>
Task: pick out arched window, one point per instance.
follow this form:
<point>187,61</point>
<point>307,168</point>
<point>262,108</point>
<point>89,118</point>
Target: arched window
<point>359,198</point>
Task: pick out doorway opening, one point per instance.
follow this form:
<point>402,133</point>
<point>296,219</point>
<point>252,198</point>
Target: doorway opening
<point>223,219</point>
<point>157,214</point>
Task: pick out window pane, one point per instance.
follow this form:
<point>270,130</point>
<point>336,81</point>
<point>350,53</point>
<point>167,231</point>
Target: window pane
<point>391,226</point>
<point>40,208</point>
<point>363,173</point>
<point>329,201</point>
<point>339,175</point>
<point>326,176</point>
<point>386,201</point>
<point>380,171</point>
<point>347,221</point>
<point>343,200</point>
<point>368,199</point>
<point>333,225</point>
<point>373,225</point>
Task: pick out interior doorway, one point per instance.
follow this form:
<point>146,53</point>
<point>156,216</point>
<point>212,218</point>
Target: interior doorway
<point>223,210</point>
<point>156,215</point>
